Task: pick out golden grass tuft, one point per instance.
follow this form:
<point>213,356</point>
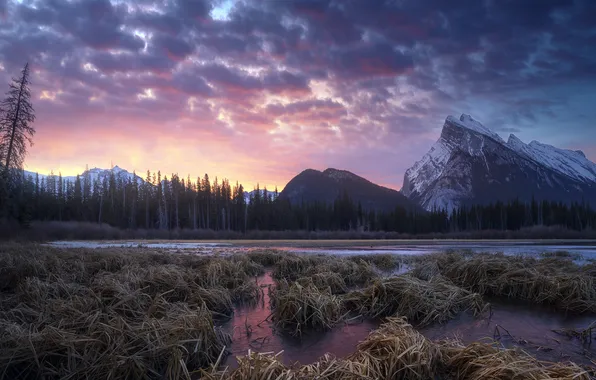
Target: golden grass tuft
<point>108,346</point>
<point>394,351</point>
<point>383,261</point>
<point>552,281</point>
<point>325,280</point>
<point>297,308</point>
<point>353,272</point>
<point>421,302</point>
<point>486,361</point>
<point>266,257</point>
<point>115,313</point>
<point>397,351</point>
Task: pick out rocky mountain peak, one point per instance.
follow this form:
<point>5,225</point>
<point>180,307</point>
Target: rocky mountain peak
<point>470,163</point>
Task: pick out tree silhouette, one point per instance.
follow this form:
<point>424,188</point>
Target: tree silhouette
<point>16,118</point>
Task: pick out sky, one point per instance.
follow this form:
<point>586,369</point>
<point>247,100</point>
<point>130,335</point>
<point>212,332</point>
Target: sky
<point>258,90</point>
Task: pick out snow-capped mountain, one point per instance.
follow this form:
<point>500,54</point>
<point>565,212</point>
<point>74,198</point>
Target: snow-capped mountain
<point>93,175</point>
<point>469,163</point>
<point>249,194</point>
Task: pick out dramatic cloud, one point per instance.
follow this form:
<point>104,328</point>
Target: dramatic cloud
<point>258,90</point>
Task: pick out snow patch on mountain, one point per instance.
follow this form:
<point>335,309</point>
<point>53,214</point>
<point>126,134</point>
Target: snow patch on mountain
<point>467,122</point>
<point>571,163</point>
<point>93,175</point>
<point>429,167</point>
<point>250,194</point>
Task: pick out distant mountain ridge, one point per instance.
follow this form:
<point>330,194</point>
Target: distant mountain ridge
<point>93,174</point>
<point>99,174</point>
<point>470,164</point>
<point>326,186</point>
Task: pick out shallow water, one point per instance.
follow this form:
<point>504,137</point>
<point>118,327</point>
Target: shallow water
<point>518,324</point>
<point>262,336</point>
<point>586,249</point>
<point>526,326</point>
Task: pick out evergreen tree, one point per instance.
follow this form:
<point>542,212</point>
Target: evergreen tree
<point>16,118</point>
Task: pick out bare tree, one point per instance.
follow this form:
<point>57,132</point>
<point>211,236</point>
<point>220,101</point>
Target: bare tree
<point>16,118</point>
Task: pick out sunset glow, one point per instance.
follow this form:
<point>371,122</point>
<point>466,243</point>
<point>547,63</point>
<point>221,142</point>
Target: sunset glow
<point>257,91</point>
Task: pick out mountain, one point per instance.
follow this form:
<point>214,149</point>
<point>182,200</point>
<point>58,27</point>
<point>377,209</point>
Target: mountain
<point>327,186</point>
<point>470,164</point>
<point>94,174</point>
<point>249,194</point>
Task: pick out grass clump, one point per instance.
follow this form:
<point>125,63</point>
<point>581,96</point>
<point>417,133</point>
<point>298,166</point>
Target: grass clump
<point>112,347</point>
<point>265,257</point>
<point>115,313</point>
<point>422,302</point>
<point>325,280</point>
<point>353,272</point>
<point>297,308</point>
<point>397,351</point>
<point>561,254</point>
<point>384,261</point>
<point>551,281</point>
<point>394,351</point>
<point>486,361</point>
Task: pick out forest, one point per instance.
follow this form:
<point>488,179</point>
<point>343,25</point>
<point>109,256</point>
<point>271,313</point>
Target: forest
<point>176,203</point>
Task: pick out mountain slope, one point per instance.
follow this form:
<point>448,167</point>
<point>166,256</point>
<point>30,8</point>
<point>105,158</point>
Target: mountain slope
<point>471,164</point>
<point>93,175</point>
<point>326,186</point>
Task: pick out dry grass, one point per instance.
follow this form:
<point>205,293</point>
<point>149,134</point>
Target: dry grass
<point>97,345</point>
<point>265,257</point>
<point>486,361</point>
<point>384,261</point>
<point>394,351</point>
<point>326,280</point>
<point>297,308</point>
<point>115,313</point>
<point>552,281</point>
<point>127,313</point>
<point>397,351</point>
<point>353,272</point>
<point>422,302</point>
<point>561,254</point>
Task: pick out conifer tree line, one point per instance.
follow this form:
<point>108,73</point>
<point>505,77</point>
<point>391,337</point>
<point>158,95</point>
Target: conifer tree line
<point>162,202</point>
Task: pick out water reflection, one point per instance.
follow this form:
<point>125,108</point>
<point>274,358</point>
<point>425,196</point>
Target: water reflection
<point>252,329</point>
<point>512,324</point>
<point>530,327</point>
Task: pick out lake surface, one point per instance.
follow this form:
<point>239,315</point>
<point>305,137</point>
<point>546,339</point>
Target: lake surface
<point>587,249</point>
